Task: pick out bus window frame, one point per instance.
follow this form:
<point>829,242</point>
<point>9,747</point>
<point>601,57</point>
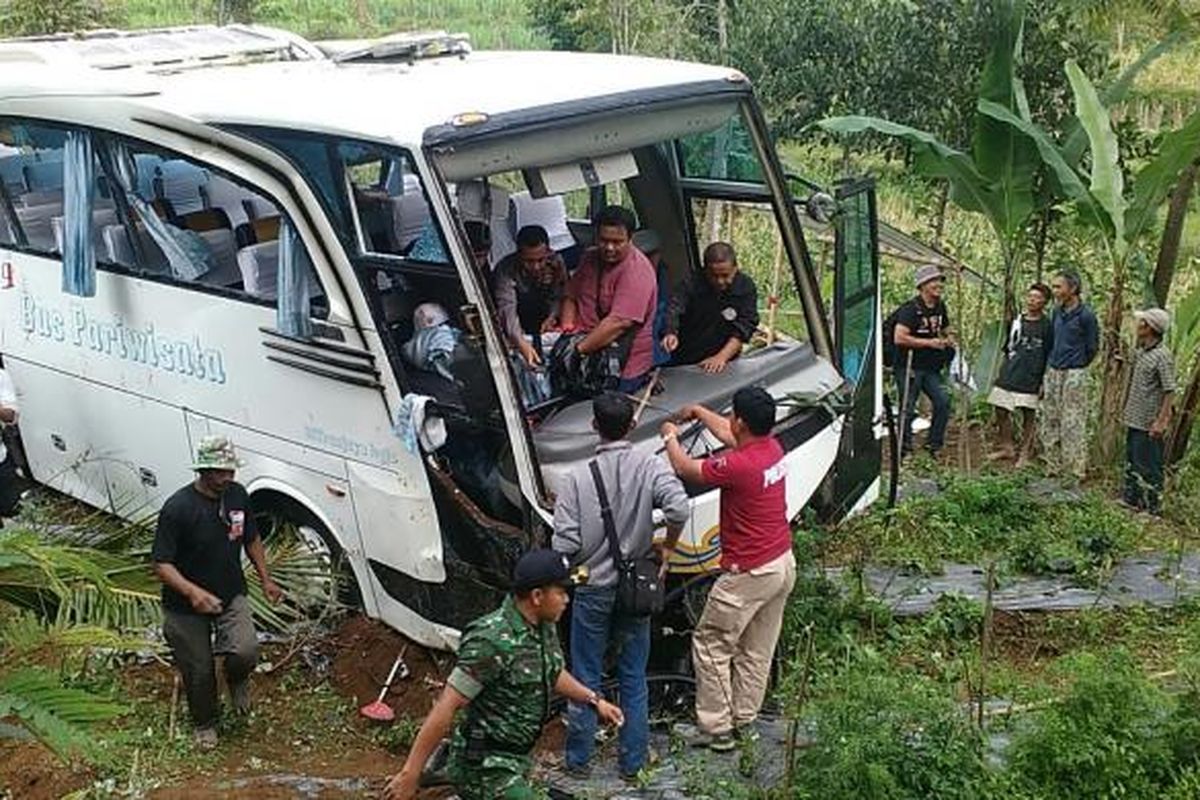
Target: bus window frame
<point>320,312</point>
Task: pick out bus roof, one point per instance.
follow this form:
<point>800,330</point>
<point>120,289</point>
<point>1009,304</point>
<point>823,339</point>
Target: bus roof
<point>380,100</point>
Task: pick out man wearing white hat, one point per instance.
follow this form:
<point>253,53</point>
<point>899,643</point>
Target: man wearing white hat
<point>202,530</point>
<point>1148,411</point>
<point>923,349</point>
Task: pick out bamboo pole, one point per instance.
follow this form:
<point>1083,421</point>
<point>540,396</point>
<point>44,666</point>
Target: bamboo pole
<point>985,643</point>
<point>773,299</point>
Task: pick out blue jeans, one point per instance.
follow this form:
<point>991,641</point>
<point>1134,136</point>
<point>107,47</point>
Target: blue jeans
<point>593,623</point>
<point>929,382</point>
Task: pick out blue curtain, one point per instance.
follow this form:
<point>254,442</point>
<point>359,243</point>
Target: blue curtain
<point>79,184</point>
<point>293,289</point>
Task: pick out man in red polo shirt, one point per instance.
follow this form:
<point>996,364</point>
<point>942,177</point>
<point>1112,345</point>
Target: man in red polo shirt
<point>734,642</point>
<point>613,296</point>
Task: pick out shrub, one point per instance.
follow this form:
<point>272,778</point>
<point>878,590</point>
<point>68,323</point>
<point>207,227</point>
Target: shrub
<point>889,735</point>
<point>1109,738</point>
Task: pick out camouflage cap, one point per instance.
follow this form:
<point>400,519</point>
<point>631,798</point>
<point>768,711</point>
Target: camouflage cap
<point>216,452</point>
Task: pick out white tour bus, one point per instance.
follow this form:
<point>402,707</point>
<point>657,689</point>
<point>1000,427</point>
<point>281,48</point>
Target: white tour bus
<point>227,231</point>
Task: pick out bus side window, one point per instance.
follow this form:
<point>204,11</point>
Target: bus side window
<point>228,232</point>
<point>31,168</point>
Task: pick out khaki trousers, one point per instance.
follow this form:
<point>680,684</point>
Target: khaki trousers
<point>734,643</point>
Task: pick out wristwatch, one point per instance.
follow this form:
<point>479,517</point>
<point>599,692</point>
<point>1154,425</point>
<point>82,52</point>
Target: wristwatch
<point>593,699</point>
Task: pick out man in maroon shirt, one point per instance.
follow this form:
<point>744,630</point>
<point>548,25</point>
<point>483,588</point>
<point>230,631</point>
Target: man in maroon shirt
<point>734,642</point>
<point>613,295</point>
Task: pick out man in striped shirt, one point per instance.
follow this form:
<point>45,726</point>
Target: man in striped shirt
<point>1148,412</point>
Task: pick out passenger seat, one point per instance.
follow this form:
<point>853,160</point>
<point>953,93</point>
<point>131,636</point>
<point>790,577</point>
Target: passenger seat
<point>119,250</point>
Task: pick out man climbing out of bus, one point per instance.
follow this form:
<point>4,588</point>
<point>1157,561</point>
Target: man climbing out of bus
<point>1065,388</point>
<point>612,297</point>
<point>202,531</point>
<point>527,287</point>
<point>509,664</point>
<point>734,642</point>
<point>924,346</point>
<point>713,315</point>
<point>620,488</point>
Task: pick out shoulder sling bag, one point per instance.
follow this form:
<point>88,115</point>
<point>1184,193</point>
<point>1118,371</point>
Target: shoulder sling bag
<point>639,590</point>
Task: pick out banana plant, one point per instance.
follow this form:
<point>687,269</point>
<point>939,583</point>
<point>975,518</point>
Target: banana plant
<point>1121,216</point>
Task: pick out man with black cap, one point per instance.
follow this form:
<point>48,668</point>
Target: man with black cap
<point>923,343</point>
<point>1147,412</point>
<point>1065,388</point>
<point>509,663</point>
<point>734,642</point>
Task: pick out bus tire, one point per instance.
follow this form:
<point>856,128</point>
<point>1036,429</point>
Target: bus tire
<point>272,510</point>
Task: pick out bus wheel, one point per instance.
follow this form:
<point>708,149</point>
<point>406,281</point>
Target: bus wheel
<point>297,541</point>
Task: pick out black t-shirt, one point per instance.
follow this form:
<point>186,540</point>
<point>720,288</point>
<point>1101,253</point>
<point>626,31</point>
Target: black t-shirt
<point>923,322</point>
<point>1025,361</point>
<point>705,319</point>
<point>203,538</point>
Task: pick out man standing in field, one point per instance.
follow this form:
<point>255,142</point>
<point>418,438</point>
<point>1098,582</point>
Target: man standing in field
<point>1148,412</point>
<point>1019,385</point>
<point>202,531</point>
<point>923,346</point>
<point>734,642</point>
<point>1065,410</point>
<point>509,665</point>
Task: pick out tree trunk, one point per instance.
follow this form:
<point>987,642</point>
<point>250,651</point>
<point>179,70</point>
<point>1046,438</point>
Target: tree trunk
<point>1185,417</point>
<point>1112,388</point>
<point>1168,250</point>
<point>1043,230</point>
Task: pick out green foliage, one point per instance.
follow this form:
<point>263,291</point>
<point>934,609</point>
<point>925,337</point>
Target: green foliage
<point>37,17</point>
<point>58,715</point>
<point>1107,181</point>
<point>976,518</point>
<point>1112,736</point>
<point>888,735</point>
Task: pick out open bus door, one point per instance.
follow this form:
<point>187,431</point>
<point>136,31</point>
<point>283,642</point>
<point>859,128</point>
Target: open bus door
<point>856,324</point>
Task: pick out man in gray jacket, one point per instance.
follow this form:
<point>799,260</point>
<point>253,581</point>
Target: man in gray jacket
<point>635,484</point>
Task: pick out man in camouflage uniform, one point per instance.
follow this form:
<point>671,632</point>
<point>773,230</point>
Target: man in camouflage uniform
<point>509,663</point>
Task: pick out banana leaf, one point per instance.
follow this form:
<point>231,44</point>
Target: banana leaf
<point>1107,180</point>
<point>1006,158</point>
<point>1154,181</point>
<point>968,188</point>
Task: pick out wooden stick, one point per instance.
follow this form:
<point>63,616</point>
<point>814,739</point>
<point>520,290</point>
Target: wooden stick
<point>985,644</point>
<point>773,300</point>
<point>174,705</point>
<point>645,398</point>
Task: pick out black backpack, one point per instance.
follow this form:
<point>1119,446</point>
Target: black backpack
<point>889,337</point>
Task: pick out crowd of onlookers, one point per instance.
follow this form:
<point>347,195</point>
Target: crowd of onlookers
<point>1043,382</point>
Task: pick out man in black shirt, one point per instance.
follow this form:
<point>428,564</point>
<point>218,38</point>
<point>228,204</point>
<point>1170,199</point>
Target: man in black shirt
<point>1019,385</point>
<point>924,346</point>
<point>710,319</point>
<point>202,530</point>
